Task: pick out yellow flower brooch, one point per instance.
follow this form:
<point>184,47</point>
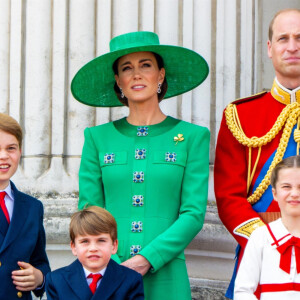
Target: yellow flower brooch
<point>178,138</point>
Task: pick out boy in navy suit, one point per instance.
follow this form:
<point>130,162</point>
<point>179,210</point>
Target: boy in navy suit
<point>23,258</point>
<point>94,275</point>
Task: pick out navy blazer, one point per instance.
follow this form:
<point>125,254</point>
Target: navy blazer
<point>25,241</point>
<point>118,283</point>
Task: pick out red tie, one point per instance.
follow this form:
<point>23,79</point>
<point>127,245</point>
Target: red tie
<point>3,206</point>
<point>286,254</point>
<point>93,284</point>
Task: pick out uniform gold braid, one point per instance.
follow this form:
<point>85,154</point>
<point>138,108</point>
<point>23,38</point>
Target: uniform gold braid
<point>297,135</point>
<point>257,141</point>
<point>288,116</point>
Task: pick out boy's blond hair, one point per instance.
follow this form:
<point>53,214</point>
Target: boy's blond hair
<point>11,126</point>
<point>93,220</point>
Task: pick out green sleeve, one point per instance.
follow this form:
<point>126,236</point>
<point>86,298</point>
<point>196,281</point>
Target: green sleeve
<point>90,177</point>
<point>175,239</point>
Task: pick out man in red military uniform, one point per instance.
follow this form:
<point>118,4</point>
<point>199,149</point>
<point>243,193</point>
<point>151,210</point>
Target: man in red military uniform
<point>255,134</point>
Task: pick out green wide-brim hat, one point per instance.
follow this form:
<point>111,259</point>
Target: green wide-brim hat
<point>94,82</point>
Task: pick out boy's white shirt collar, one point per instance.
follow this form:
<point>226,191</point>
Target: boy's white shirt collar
<point>87,273</point>
<point>9,199</point>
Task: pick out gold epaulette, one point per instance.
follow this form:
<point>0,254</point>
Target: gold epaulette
<point>245,229</point>
<point>249,98</point>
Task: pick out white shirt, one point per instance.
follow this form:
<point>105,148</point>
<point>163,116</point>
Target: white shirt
<point>9,200</point>
<point>260,265</point>
<point>89,280</point>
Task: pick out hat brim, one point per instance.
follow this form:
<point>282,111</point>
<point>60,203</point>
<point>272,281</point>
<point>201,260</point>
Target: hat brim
<point>93,84</point>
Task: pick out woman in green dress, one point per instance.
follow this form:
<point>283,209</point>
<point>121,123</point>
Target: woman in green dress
<point>148,169</point>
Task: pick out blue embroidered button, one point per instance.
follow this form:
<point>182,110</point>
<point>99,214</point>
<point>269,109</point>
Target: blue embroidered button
<point>170,156</point>
<point>142,131</point>
<point>138,200</point>
<point>140,153</point>
<point>138,177</point>
<point>109,158</point>
<point>135,249</point>
<point>136,226</point>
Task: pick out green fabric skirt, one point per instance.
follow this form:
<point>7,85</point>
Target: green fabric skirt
<point>172,279</point>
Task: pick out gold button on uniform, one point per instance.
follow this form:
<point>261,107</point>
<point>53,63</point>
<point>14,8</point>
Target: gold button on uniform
<point>19,294</point>
<point>0,263</point>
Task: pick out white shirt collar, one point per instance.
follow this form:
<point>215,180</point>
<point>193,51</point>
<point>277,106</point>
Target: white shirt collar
<point>9,199</point>
<point>87,273</point>
<point>9,192</point>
